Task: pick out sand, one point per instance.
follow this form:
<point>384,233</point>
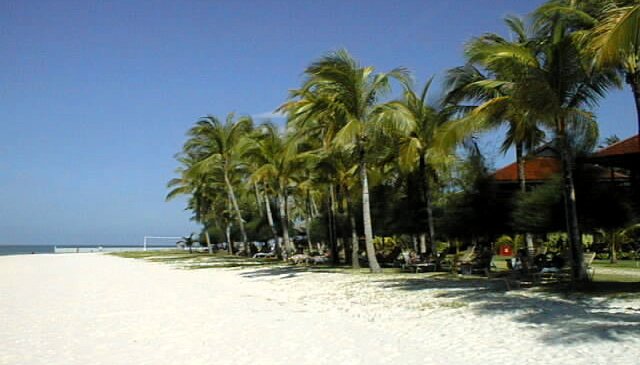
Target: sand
<point>100,309</point>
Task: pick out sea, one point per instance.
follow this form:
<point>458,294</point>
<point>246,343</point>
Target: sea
<point>40,249</point>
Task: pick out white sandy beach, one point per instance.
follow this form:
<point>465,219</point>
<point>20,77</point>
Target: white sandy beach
<point>99,309</point>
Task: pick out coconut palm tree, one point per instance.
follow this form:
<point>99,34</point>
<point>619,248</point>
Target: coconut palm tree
<point>616,43</point>
<point>415,123</point>
<point>493,91</point>
<point>469,84</point>
<point>546,80</point>
<point>218,147</point>
<point>187,241</point>
<point>556,85</point>
<point>278,160</point>
<point>201,191</point>
<point>615,237</point>
<point>339,89</point>
<point>342,168</point>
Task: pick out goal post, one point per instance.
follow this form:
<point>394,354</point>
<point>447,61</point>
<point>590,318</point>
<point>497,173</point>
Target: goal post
<point>163,239</point>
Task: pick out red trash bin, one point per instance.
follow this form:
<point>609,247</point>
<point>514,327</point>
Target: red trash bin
<point>506,250</point>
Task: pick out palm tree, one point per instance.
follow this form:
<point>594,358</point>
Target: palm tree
<point>188,241</point>
<point>548,82</point>
<point>615,237</point>
<point>556,85</point>
<point>493,91</point>
<point>339,89</point>
<point>218,146</point>
<point>278,160</point>
<point>200,190</point>
<point>343,171</point>
<point>415,123</point>
<point>616,43</point>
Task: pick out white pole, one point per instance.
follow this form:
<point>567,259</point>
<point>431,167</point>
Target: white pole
<point>145,244</point>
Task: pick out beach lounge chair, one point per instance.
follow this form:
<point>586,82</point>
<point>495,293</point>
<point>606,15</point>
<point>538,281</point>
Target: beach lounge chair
<point>263,255</point>
<point>463,263</point>
<point>413,264</point>
<point>298,259</point>
<point>588,264</point>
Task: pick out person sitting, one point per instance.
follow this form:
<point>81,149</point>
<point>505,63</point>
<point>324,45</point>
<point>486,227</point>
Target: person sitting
<point>554,265</point>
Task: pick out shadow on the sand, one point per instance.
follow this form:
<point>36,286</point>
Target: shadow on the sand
<point>567,316</point>
<point>289,271</point>
<point>570,317</point>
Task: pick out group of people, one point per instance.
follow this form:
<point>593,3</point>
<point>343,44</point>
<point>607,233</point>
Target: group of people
<point>544,262</point>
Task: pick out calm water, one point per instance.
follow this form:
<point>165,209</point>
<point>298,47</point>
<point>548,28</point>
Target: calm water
<point>25,249</point>
<point>35,249</point>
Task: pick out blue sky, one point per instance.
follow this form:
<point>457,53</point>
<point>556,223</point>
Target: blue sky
<point>95,97</point>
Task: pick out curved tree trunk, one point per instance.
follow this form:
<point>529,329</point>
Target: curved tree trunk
<point>366,216</point>
<point>571,213</point>
<point>258,198</point>
<point>234,202</point>
<point>206,236</point>
<point>272,226</point>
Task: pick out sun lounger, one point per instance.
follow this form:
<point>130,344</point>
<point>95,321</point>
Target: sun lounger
<point>415,265</point>
<point>263,255</point>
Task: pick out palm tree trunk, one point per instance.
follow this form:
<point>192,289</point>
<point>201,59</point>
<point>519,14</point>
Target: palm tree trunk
<point>613,255</point>
<point>206,236</point>
<point>308,232</point>
<point>633,79</point>
<point>366,215</point>
<point>309,214</point>
<point>423,243</point>
<point>335,260</point>
<point>234,202</point>
<point>314,208</point>
<point>227,232</point>
<point>426,190</point>
<point>522,179</point>
<point>258,199</point>
<point>274,231</point>
<point>355,249</point>
<point>329,226</point>
<point>284,222</point>
<point>571,213</point>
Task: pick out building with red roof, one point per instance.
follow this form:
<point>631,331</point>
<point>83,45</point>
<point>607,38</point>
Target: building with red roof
<point>618,165</point>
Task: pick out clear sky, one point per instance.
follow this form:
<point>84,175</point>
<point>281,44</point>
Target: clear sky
<point>95,97</point>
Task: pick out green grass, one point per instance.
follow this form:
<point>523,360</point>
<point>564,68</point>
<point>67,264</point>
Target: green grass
<point>621,264</point>
<point>196,260</point>
<point>145,254</point>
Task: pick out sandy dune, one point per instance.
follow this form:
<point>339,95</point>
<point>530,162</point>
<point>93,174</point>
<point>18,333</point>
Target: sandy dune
<point>98,309</point>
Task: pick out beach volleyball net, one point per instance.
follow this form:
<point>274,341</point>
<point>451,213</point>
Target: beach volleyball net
<point>159,241</point>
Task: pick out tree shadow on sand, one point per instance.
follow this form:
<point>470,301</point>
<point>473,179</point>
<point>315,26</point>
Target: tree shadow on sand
<point>288,272</point>
<point>568,317</point>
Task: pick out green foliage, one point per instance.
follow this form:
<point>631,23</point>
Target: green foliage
<point>420,160</point>
<point>540,210</point>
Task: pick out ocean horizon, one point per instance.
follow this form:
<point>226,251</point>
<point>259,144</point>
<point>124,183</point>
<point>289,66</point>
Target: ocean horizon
<point>44,249</point>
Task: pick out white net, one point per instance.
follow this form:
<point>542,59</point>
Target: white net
<point>160,241</point>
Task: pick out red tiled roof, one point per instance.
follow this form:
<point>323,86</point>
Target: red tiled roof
<point>627,147</point>
<point>538,168</point>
